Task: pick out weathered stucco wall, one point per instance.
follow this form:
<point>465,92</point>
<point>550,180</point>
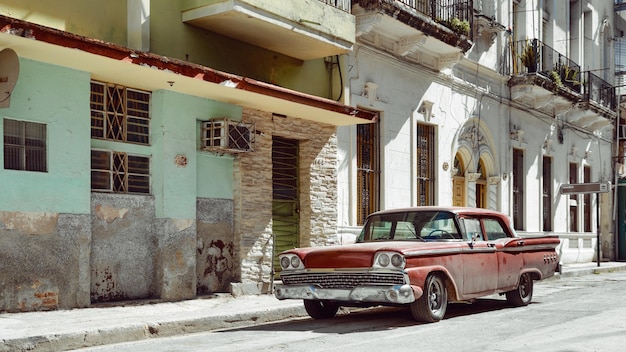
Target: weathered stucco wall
<point>215,261</point>
<point>44,261</point>
<point>124,244</point>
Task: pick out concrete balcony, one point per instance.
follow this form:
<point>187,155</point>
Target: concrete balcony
<point>303,29</point>
<point>547,81</point>
<point>432,34</point>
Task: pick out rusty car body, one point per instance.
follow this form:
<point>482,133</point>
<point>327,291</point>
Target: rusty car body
<point>422,258</point>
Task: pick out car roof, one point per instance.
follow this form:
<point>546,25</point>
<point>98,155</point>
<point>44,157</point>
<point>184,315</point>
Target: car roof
<point>455,210</point>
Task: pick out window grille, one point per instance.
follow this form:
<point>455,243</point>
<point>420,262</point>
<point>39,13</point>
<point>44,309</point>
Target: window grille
<point>547,193</point>
<point>518,189</point>
<point>119,113</point>
<point>425,164</point>
<point>368,170</point>
<point>119,172</point>
<point>587,218</point>
<point>25,146</point>
<point>573,199</point>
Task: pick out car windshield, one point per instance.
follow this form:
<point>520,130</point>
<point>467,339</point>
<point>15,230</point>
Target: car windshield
<point>410,226</point>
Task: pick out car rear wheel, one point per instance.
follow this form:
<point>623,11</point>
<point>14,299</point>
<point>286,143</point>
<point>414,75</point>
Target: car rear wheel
<point>320,309</point>
<point>523,294</point>
<point>431,307</point>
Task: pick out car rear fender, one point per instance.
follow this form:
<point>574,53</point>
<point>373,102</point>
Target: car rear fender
<point>418,276</point>
<point>535,273</point>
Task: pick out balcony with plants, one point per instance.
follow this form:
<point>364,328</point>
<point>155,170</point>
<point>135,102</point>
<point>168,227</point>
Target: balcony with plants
<point>547,80</point>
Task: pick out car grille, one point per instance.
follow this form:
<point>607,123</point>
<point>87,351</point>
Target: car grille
<point>342,279</point>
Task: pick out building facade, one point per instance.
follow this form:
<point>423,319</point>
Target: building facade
<point>485,104</point>
<point>159,149</point>
<point>149,153</point>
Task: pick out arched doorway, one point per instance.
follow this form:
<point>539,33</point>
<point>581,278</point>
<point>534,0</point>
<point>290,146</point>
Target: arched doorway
<point>475,178</point>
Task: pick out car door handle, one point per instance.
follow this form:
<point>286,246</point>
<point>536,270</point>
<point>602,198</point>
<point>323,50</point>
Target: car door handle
<point>520,243</point>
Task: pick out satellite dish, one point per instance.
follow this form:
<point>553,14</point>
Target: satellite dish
<point>9,71</point>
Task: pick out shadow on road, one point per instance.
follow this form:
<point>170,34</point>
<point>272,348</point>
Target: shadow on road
<point>375,319</point>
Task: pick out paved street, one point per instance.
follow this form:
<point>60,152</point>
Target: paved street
<point>582,313</point>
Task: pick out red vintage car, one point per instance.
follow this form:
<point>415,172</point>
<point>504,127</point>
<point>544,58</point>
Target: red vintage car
<point>423,258</point>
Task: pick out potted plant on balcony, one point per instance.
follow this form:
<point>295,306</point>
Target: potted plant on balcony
<point>569,75</point>
<point>530,56</point>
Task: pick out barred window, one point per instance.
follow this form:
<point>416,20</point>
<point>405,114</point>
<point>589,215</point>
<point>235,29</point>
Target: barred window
<point>425,164</point>
<point>119,113</point>
<point>25,146</point>
<point>119,172</point>
<point>368,170</point>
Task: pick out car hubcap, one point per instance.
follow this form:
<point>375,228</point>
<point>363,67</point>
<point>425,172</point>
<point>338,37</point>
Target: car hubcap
<point>435,296</point>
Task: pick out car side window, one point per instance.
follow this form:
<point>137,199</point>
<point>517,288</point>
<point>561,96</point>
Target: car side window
<point>473,231</point>
<point>494,229</point>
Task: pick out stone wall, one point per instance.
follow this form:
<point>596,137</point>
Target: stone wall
<point>253,194</point>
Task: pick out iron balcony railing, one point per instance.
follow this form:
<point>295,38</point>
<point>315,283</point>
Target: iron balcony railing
<point>535,57</point>
<point>457,15</point>
<point>340,4</point>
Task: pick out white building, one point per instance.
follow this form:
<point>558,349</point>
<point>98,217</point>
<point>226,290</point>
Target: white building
<point>490,104</point>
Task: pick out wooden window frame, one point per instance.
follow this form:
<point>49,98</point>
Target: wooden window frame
<point>368,170</point>
<point>546,195</point>
<point>587,202</point>
<point>425,165</point>
<point>573,199</point>
<point>518,189</point>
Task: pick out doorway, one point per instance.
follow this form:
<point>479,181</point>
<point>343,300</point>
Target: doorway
<point>285,200</point>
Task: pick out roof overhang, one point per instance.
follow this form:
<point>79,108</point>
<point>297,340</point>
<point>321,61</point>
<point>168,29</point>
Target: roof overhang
<point>121,65</point>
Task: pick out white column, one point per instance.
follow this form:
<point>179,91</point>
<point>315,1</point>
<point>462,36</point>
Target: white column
<point>138,24</point>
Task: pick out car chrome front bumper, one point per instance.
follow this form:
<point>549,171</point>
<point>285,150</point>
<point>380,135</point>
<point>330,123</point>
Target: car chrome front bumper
<point>396,294</point>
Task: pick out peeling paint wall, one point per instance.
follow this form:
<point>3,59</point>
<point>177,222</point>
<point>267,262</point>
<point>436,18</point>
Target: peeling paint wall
<point>215,266</point>
<point>123,247</point>
<point>44,261</point>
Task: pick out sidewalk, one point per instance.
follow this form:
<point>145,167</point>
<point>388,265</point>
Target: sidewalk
<point>71,329</point>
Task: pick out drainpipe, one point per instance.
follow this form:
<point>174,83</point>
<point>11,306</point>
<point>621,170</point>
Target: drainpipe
<point>138,24</point>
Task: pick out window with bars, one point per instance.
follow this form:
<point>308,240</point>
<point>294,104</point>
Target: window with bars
<point>119,113</point>
<point>547,193</point>
<point>425,164</point>
<point>368,170</point>
<point>573,199</point>
<point>587,218</point>
<point>25,146</point>
<point>119,172</point>
<point>518,189</point>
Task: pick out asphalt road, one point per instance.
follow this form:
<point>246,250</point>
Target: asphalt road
<point>585,313</point>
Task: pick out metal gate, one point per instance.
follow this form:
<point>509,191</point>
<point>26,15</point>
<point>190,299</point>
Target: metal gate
<point>285,190</point>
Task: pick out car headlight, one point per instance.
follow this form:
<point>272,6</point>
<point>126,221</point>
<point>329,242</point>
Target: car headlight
<point>389,260</point>
<point>290,261</point>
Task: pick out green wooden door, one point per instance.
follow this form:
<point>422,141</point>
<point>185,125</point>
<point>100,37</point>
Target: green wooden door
<point>285,203</point>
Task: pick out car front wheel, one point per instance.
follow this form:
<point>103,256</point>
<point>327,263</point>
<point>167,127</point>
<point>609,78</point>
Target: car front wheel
<point>523,294</point>
<point>431,307</point>
<point>320,309</point>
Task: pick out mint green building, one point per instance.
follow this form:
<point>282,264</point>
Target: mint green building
<point>165,149</point>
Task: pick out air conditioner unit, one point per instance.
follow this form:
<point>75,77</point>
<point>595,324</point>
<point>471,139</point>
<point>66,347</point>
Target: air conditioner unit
<point>226,135</point>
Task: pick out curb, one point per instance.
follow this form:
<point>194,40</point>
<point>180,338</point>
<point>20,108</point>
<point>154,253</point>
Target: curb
<point>588,270</point>
<point>136,332</point>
